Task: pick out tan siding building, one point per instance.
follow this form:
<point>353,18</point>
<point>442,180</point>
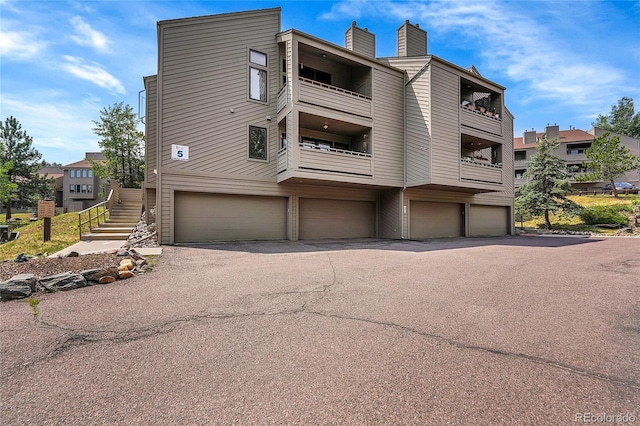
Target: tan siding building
<point>254,133</point>
<point>572,146</point>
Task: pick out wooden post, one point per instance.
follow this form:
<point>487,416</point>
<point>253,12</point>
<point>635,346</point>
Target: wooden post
<point>46,210</point>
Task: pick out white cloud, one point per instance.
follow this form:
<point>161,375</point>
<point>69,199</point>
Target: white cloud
<point>87,36</point>
<point>94,73</point>
<point>509,41</point>
<point>19,45</point>
<point>60,131</point>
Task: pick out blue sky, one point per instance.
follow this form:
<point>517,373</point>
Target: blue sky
<point>562,62</point>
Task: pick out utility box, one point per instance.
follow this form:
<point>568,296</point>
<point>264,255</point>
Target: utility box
<point>4,232</point>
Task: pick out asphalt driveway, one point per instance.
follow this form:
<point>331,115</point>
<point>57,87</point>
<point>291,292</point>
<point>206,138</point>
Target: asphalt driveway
<point>515,330</point>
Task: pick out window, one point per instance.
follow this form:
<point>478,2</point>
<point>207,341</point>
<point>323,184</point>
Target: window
<point>258,76</point>
<point>520,174</point>
<point>84,188</point>
<point>89,188</point>
<point>520,155</point>
<point>90,174</point>
<point>84,173</point>
<point>72,173</point>
<point>72,188</point>
<point>257,143</point>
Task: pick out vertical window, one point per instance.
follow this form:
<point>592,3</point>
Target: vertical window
<point>84,188</point>
<point>72,188</point>
<point>72,173</point>
<point>257,76</point>
<point>84,173</point>
<point>257,143</point>
<point>90,174</point>
<point>77,188</point>
<point>89,188</point>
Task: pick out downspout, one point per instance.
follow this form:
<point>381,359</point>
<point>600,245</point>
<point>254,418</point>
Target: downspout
<point>404,141</point>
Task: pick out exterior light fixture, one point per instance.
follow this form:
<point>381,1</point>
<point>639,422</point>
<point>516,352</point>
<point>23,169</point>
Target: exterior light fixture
<point>325,126</point>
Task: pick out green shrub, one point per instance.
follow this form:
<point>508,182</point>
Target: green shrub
<point>610,215</point>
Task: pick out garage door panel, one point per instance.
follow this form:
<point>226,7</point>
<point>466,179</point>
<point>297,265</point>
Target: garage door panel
<point>220,217</point>
<point>321,219</point>
<point>435,220</point>
<point>488,220</point>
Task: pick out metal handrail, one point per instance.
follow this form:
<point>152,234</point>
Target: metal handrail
<point>107,204</point>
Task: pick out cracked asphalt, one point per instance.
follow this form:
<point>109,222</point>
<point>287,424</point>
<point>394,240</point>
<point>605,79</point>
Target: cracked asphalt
<point>514,330</point>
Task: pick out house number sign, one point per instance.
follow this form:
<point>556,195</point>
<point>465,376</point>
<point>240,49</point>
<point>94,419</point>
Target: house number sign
<point>179,152</point>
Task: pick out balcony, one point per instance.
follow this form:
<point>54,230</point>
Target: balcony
<point>318,158</point>
<point>336,98</point>
<point>480,171</point>
<point>482,120</point>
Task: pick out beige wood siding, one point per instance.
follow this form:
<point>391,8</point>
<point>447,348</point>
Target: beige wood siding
<point>150,128</point>
<point>390,214</point>
<point>319,160</point>
<point>484,173</point>
<point>334,98</point>
<point>388,141</point>
<point>488,220</point>
<point>476,120</point>
<point>445,130</point>
<point>322,219</point>
<point>435,219</point>
<point>203,84</point>
<point>221,217</point>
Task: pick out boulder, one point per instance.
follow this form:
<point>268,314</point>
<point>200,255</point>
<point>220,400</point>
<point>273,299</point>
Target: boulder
<point>107,279</point>
<point>64,281</point>
<point>125,265</point>
<point>18,287</point>
<point>73,254</point>
<point>125,274</point>
<point>94,275</point>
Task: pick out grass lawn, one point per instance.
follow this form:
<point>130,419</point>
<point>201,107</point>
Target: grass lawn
<point>575,223</point>
<point>64,232</point>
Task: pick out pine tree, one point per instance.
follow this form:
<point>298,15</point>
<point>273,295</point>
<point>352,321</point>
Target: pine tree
<point>622,119</point>
<point>547,186</point>
<point>20,160</point>
<point>122,146</point>
<point>608,160</point>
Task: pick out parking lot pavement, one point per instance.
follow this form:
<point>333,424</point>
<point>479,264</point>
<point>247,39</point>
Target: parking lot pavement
<point>514,330</point>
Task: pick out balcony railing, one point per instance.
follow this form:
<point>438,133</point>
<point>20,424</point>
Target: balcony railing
<point>481,120</point>
<point>313,157</point>
<point>333,97</point>
<point>480,171</point>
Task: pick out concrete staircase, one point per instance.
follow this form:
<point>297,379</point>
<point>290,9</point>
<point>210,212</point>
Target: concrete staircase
<point>123,217</point>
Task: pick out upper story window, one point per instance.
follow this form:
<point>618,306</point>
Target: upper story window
<point>72,173</point>
<point>577,149</point>
<point>520,155</point>
<point>257,143</point>
<point>257,76</point>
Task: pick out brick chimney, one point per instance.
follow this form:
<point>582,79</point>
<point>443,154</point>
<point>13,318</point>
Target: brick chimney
<point>412,40</point>
<point>360,40</point>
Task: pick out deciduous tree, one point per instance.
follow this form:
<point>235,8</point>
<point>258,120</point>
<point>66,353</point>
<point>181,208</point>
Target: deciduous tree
<point>546,190</point>
<point>122,146</point>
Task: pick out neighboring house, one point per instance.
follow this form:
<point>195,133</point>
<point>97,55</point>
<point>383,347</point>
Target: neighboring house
<point>573,144</point>
<point>257,134</point>
<point>81,189</point>
<point>57,174</point>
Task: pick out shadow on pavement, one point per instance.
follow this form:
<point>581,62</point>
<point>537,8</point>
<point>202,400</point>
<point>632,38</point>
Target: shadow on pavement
<point>272,247</point>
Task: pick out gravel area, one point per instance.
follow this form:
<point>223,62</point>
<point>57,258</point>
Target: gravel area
<point>51,266</point>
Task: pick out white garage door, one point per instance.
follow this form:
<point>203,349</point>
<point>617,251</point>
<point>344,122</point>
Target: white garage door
<point>488,220</point>
<point>220,217</point>
<point>435,220</point>
<point>320,219</point>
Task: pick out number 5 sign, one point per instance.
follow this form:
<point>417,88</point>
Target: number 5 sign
<point>179,152</point>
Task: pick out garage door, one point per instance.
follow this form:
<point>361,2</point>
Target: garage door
<point>488,220</point>
<point>435,220</point>
<point>320,219</point>
<point>220,217</point>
